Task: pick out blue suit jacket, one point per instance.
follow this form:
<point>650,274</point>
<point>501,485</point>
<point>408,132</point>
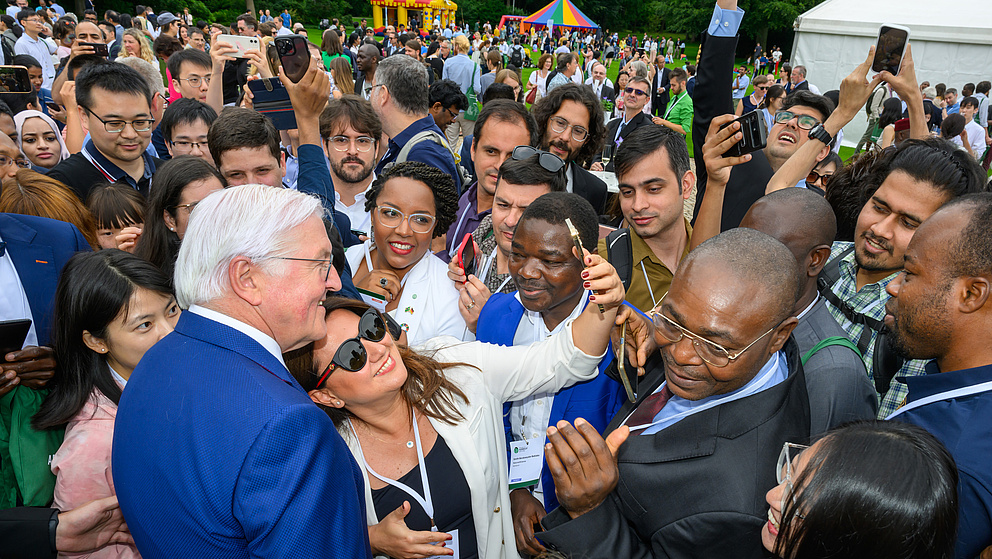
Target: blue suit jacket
<point>596,400</point>
<point>219,453</point>
<point>39,248</point>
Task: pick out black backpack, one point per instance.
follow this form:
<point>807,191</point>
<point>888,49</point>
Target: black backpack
<point>885,362</point>
<point>517,56</point>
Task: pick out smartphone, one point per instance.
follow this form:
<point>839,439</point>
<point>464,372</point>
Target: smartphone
<point>14,79</point>
<point>890,48</point>
<point>754,134</point>
<point>466,255</point>
<point>271,99</point>
<point>294,55</point>
<point>13,334</point>
<point>53,107</point>
<point>241,43</point>
<point>99,49</point>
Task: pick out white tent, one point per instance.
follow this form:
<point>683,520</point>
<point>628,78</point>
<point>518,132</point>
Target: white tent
<point>951,42</point>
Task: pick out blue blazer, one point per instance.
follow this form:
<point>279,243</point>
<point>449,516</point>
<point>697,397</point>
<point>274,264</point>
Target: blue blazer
<point>39,248</point>
<point>596,400</point>
<point>219,453</point>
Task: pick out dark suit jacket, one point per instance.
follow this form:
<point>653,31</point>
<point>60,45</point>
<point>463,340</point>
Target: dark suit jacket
<point>39,248</point>
<point>25,534</point>
<point>639,120</point>
<point>712,98</point>
<point>804,86</point>
<point>232,460</point>
<point>696,488</point>
<point>590,187</point>
<point>660,102</point>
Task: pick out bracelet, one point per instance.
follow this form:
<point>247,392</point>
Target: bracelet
<point>53,525</point>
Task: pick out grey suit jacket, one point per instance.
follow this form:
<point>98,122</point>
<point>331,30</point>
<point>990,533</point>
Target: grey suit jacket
<point>836,380</point>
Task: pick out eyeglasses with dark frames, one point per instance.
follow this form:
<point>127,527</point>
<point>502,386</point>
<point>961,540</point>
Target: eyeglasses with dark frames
<point>805,122</point>
<point>117,126</point>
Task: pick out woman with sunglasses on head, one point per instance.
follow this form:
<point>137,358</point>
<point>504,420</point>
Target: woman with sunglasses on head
<point>110,308</point>
<point>753,101</point>
<point>395,270</point>
<point>871,489</point>
<point>427,427</point>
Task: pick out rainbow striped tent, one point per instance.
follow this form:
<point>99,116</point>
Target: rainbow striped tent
<point>563,13</point>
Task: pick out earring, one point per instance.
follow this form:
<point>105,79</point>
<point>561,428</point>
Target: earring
<point>173,229</point>
<point>338,402</point>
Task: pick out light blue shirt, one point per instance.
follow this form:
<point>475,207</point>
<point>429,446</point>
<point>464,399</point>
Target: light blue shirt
<point>679,408</point>
<point>459,69</point>
<point>725,23</point>
<point>740,86</point>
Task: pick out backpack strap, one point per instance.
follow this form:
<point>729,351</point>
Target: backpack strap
<point>827,342</point>
<point>416,139</point>
<point>620,254</point>
<point>828,277</point>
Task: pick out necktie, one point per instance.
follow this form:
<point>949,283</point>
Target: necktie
<point>649,407</point>
<point>3,248</point>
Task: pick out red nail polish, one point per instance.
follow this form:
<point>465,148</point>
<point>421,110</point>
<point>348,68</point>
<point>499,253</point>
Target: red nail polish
<point>587,285</point>
<point>585,275</point>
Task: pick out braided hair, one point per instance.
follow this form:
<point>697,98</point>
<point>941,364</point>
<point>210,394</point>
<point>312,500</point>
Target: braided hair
<point>439,182</point>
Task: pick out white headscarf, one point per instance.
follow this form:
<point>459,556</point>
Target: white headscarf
<point>22,116</point>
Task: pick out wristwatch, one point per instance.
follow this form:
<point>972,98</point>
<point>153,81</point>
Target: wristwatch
<point>820,133</point>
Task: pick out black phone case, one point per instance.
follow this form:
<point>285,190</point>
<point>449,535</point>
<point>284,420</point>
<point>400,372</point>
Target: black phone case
<point>754,132</point>
<point>12,335</point>
<point>294,65</point>
<point>272,100</point>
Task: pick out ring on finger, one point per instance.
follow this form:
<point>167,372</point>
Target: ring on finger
<point>383,282</point>
<point>469,307</point>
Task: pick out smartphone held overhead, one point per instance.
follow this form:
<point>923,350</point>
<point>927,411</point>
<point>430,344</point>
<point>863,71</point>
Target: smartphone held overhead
<point>890,48</point>
<point>754,134</point>
<point>14,79</point>
<point>294,56</point>
<point>243,44</point>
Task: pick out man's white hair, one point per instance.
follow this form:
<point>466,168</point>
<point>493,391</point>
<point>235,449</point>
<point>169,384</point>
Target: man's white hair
<point>252,220</point>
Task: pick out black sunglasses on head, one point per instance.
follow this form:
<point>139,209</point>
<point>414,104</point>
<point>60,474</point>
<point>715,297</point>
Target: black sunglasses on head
<point>351,354</point>
<point>549,161</point>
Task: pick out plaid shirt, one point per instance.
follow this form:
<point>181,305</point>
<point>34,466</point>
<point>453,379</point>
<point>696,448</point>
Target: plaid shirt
<point>486,239</point>
<point>870,301</point>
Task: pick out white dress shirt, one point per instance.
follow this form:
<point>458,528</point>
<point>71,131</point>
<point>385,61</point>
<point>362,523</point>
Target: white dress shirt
<point>13,300</point>
<point>38,48</point>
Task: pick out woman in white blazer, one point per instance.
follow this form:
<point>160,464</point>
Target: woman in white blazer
<point>395,270</point>
<point>436,414</point>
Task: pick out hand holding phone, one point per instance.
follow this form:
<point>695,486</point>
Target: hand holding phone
<point>890,47</point>
<point>12,336</point>
<point>99,49</point>
<point>754,135</point>
<point>294,55</point>
<point>240,44</point>
<point>14,79</point>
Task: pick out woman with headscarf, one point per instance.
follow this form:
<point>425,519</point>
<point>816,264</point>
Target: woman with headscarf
<point>40,140</point>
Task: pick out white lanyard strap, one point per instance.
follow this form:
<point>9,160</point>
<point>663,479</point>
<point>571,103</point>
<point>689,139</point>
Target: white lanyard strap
<point>484,276</point>
<point>950,394</point>
<point>458,230</point>
<point>654,302</point>
<point>425,502</point>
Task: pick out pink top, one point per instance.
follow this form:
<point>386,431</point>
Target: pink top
<point>82,465</point>
<point>173,94</point>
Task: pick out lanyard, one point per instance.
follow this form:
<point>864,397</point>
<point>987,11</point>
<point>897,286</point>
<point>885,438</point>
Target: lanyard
<point>425,502</point>
<point>654,302</point>
<point>957,393</point>
<point>676,102</point>
<point>458,229</point>
<point>756,386</point>
<point>484,276</point>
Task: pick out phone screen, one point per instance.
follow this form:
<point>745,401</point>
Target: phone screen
<point>468,256</point>
<point>889,50</point>
<point>14,79</point>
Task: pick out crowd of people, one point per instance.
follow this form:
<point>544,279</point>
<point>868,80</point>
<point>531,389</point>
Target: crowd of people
<point>402,300</point>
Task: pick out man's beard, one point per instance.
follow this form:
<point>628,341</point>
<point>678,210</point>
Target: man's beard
<point>356,176</point>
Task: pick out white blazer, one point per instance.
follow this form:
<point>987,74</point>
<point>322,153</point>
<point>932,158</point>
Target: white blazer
<point>479,443</point>
<point>428,304</point>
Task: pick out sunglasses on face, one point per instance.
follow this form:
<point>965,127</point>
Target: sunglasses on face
<point>813,176</point>
<point>636,92</point>
<point>351,354</point>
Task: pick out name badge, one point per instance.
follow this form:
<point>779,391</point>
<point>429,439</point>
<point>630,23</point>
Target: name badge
<point>526,461</point>
<point>452,545</point>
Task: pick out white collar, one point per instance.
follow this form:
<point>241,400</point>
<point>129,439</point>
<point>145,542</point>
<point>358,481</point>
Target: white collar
<point>262,338</point>
<point>808,308</point>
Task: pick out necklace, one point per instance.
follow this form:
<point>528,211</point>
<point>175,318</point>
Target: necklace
<point>408,444</point>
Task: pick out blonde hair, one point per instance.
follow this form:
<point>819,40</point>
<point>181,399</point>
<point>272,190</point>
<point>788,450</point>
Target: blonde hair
<point>341,71</point>
<point>461,44</point>
<point>32,193</point>
<point>146,48</point>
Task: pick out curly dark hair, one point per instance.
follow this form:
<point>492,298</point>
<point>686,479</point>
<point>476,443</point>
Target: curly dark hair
<point>440,183</point>
<point>546,107</point>
<point>853,185</point>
